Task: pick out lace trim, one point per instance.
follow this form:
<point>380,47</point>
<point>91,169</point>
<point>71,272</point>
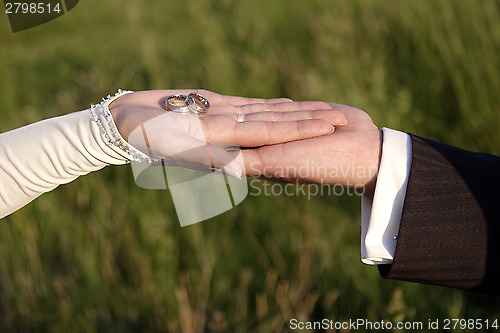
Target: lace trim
<point>109,132</point>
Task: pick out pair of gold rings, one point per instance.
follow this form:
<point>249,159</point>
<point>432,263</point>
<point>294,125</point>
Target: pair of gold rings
<point>191,103</point>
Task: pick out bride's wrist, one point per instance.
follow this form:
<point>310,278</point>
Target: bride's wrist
<point>110,133</point>
<point>118,112</point>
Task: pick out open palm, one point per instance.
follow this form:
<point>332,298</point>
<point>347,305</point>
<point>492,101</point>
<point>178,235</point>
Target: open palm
<point>203,140</point>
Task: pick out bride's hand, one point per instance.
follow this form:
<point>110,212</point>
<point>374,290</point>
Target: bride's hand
<point>190,139</point>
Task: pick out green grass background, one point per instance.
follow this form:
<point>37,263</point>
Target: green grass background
<point>101,254</point>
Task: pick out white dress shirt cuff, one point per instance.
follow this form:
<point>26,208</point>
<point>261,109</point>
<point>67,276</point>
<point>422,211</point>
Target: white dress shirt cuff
<point>381,216</point>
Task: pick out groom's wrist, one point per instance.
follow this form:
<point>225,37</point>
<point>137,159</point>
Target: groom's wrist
<point>369,188</point>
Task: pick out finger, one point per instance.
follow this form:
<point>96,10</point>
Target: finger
<point>262,161</point>
<point>333,117</point>
<point>259,133</point>
<point>283,107</point>
<point>254,134</point>
<point>241,101</point>
<point>277,161</point>
<point>307,160</point>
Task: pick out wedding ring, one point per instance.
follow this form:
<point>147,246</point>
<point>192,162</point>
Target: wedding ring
<point>177,103</point>
<point>241,118</point>
<point>196,103</point>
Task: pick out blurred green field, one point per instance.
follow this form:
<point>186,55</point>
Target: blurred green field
<point>103,255</point>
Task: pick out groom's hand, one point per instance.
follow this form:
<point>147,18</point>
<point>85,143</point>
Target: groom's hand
<point>349,157</point>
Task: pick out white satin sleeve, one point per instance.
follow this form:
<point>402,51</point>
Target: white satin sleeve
<point>37,158</point>
<point>380,217</point>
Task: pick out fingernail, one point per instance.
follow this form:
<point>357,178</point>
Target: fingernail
<point>345,122</point>
<point>333,129</point>
<point>232,172</point>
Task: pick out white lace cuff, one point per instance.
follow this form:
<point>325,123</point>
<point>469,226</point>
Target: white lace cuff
<point>109,131</point>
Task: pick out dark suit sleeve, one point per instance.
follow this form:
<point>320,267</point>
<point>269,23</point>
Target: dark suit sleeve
<point>450,227</point>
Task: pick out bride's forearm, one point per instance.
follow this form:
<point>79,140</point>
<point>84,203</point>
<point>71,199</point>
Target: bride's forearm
<point>39,157</point>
